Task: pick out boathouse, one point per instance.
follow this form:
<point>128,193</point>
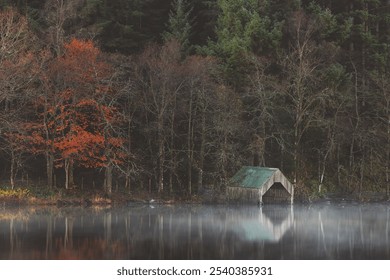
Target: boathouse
<point>253,184</point>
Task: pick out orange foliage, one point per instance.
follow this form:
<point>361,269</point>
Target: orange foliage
<point>75,122</point>
<point>81,122</point>
<point>80,64</point>
<point>81,133</point>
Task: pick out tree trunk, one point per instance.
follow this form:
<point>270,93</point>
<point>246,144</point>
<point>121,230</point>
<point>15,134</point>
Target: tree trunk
<point>108,179</point>
<point>296,146</point>
<point>261,144</point>
<point>322,171</point>
<point>355,129</point>
<point>361,175</point>
<point>127,182</point>
<point>172,152</point>
<point>338,167</point>
<point>319,172</point>
<point>388,151</point>
<point>189,145</point>
<point>128,179</point>
<point>224,161</point>
<point>66,167</point>
<point>351,162</point>
<point>13,170</point>
<point>202,150</point>
<point>160,140</point>
<point>71,177</point>
<point>49,168</point>
<point>49,149</point>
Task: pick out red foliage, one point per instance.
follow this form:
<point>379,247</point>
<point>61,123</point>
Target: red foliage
<point>82,123</point>
<point>75,118</point>
<point>81,65</point>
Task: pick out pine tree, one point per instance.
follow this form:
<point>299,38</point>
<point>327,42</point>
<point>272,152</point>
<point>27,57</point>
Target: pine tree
<point>179,25</point>
<point>241,31</point>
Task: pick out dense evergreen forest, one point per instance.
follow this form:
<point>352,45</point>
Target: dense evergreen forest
<point>171,96</point>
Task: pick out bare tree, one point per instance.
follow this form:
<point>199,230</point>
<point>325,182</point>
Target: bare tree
<point>303,88</point>
<point>199,99</point>
<point>14,42</point>
<point>260,107</point>
<point>382,81</point>
<point>57,13</point>
<point>225,133</point>
<point>159,78</point>
<point>18,69</point>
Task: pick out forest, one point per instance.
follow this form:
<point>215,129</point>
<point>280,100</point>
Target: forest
<point>174,96</point>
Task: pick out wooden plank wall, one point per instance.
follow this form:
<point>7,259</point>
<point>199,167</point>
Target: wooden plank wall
<point>242,195</point>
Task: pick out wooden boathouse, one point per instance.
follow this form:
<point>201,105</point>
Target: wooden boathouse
<point>252,184</point>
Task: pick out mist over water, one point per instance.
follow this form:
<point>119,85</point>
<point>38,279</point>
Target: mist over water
<point>318,231</point>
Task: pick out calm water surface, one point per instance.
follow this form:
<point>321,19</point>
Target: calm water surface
<point>321,231</point>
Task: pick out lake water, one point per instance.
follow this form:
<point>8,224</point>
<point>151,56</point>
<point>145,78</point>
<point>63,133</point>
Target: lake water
<point>320,231</point>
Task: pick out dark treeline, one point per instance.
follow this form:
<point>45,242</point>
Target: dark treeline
<point>170,96</point>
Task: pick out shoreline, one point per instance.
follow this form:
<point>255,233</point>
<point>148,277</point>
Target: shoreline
<point>72,198</point>
<point>116,200</point>
<point>86,198</point>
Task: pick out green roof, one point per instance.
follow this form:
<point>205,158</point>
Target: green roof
<point>252,176</point>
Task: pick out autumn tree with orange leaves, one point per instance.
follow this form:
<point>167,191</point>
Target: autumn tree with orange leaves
<point>82,120</point>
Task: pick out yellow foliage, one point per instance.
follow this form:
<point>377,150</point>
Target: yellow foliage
<point>14,193</point>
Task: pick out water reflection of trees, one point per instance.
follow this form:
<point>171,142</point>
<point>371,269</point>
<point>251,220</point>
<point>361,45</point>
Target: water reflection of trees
<point>340,232</point>
<point>344,231</point>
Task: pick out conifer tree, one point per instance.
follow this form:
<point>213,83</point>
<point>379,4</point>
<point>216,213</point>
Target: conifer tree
<point>179,25</point>
<point>241,31</point>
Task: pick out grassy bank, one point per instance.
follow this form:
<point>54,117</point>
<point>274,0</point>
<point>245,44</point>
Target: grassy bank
<point>75,197</point>
<point>54,196</point>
